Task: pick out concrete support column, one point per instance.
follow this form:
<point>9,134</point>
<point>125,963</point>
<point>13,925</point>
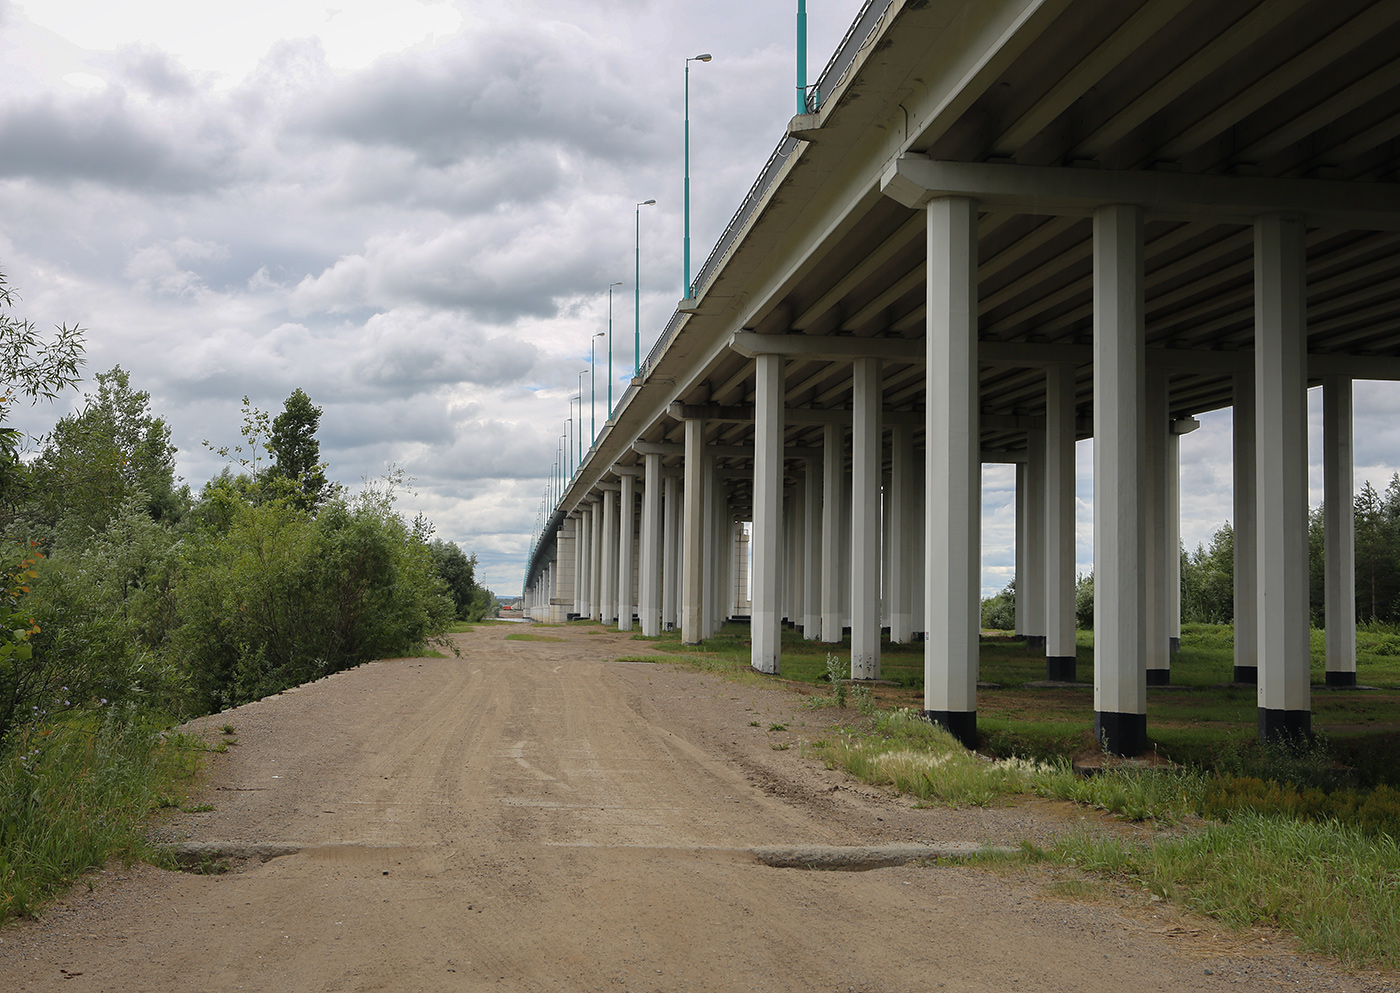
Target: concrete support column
<point>610,556</point>
<point>844,547</point>
<point>649,571</point>
<point>1120,629</point>
<point>1339,530</point>
<point>1173,542</point>
<point>1157,567</point>
<point>1281,471</point>
<point>1060,645</point>
<point>812,552</point>
<point>1035,541</point>
<point>626,549</point>
<point>902,551</point>
<point>1246,576</point>
<point>671,551</point>
<point>833,476</point>
<point>1019,570</point>
<point>715,551</point>
<point>595,581</point>
<point>795,572</point>
<point>866,456</point>
<point>953,473</point>
<point>766,652</point>
<point>693,526</point>
<point>585,535</point>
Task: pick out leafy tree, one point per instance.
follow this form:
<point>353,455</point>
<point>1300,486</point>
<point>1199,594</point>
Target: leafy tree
<point>999,610</point>
<point>94,460</point>
<point>34,368</point>
<point>1208,580</point>
<point>297,453</point>
<point>471,601</point>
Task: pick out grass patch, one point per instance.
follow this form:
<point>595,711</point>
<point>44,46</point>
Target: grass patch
<point>1331,886</point>
<point>75,794</point>
<point>532,637</point>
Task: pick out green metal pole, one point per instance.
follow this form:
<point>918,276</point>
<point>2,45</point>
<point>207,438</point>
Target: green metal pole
<point>637,294</point>
<point>802,56</point>
<point>686,285</point>
<point>698,58</point>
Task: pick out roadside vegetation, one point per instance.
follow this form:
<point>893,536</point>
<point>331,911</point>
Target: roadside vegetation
<point>132,603</point>
<point>1298,836</point>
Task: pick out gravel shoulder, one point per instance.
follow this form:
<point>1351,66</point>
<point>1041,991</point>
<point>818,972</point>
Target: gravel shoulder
<point>532,816</point>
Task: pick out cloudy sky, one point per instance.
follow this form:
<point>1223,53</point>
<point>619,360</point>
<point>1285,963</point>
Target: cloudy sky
<point>411,209</point>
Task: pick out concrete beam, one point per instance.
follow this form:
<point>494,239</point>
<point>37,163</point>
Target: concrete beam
<point>914,180</point>
<point>828,348</point>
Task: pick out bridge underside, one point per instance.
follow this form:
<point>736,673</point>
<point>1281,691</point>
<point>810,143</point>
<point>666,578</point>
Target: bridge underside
<point>1011,225</point>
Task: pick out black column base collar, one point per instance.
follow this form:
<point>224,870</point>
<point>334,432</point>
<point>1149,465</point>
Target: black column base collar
<point>1173,645</point>
<point>1246,674</point>
<point>1159,677</point>
<point>1341,679</point>
<point>1285,725</point>
<point>961,724</point>
<point>1060,668</point>
<point>1035,642</point>
<point>1121,734</point>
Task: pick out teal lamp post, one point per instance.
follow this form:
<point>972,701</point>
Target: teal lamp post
<point>593,384</point>
<point>610,373</point>
<point>579,433</point>
<point>686,253</point>
<point>802,56</point>
<point>637,294</point>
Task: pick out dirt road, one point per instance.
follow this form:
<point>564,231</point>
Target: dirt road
<point>532,817</point>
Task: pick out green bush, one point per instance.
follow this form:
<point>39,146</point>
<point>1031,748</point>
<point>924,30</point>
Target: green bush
<point>999,610</point>
<point>280,597</point>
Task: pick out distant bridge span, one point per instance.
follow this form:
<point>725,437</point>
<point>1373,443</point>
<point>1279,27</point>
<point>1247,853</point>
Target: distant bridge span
<point>1011,224</point>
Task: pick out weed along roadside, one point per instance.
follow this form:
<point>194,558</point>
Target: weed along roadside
<point>1300,837</point>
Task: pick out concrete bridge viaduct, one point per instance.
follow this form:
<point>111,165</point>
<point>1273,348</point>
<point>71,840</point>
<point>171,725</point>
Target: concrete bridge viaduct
<point>1005,225</point>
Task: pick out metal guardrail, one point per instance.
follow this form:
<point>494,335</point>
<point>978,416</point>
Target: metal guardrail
<point>860,32</point>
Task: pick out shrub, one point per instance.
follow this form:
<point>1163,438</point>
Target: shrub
<point>280,597</point>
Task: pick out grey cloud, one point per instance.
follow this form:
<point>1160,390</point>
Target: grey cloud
<point>103,139</point>
<point>481,92</point>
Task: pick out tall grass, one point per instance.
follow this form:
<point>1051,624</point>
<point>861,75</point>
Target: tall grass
<point>1334,887</point>
<point>74,794</point>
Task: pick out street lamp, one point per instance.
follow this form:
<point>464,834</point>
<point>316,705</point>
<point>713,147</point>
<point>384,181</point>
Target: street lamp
<point>610,289</point>
<point>802,56</point>
<point>593,383</point>
<point>698,58</point>
<point>569,439</point>
<point>637,287</point>
<point>579,398</point>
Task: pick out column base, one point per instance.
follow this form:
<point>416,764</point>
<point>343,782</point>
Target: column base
<point>1285,725</point>
<point>1060,668</point>
<point>1173,645</point>
<point>1121,734</point>
<point>961,724</point>
<point>1246,674</point>
<point>1341,679</point>
<point>1159,677</point>
<point>1035,642</point>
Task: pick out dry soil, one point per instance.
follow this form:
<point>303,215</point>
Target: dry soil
<point>533,816</point>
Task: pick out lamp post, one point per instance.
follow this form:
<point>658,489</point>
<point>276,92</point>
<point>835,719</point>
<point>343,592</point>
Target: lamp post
<point>697,58</point>
<point>593,383</point>
<point>569,440</point>
<point>637,293</point>
<point>802,56</point>
<point>610,374</point>
<point>579,398</point>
